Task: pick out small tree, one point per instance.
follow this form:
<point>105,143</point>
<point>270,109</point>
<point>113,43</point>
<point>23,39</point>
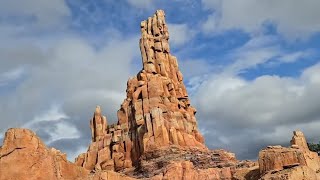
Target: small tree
<point>314,147</point>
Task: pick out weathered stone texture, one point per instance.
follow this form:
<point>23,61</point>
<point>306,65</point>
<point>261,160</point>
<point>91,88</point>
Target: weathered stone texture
<point>186,171</point>
<point>296,162</point>
<point>157,109</point>
<point>156,112</point>
<point>110,148</point>
<point>23,156</point>
<point>156,136</point>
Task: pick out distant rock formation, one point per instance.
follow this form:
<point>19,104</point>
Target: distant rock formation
<point>295,163</point>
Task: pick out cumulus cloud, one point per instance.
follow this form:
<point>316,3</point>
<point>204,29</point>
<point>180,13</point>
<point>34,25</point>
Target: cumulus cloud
<point>62,83</point>
<point>51,81</point>
<point>293,18</point>
<point>245,115</point>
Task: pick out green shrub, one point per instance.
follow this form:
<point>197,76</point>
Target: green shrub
<point>314,147</point>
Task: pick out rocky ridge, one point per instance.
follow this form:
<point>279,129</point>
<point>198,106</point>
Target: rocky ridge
<point>156,136</point>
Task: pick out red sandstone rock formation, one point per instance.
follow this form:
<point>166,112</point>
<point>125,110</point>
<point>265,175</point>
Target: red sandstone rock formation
<point>186,171</point>
<point>110,148</point>
<point>156,136</point>
<point>294,163</point>
<point>23,156</point>
<point>156,113</point>
<point>157,110</point>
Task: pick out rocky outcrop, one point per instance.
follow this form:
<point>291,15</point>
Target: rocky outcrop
<point>98,125</point>
<point>156,136</point>
<point>186,171</point>
<point>295,173</point>
<point>156,112</point>
<point>312,159</point>
<point>277,158</point>
<point>110,148</point>
<point>157,162</point>
<point>107,175</point>
<point>23,156</point>
<point>295,162</point>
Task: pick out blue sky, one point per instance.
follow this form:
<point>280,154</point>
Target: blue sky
<point>251,67</point>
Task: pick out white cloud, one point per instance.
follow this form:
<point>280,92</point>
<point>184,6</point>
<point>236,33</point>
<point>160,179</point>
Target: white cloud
<point>268,106</point>
<point>63,130</point>
<point>142,4</point>
<point>293,18</point>
<point>294,56</point>
<point>43,12</point>
<point>180,34</point>
<point>261,51</point>
<point>53,114</point>
<point>9,76</point>
<point>68,72</point>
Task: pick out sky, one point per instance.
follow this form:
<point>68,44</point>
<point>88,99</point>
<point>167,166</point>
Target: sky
<point>252,68</point>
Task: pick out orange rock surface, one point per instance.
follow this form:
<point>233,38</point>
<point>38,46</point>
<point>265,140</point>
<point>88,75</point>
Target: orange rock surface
<point>156,113</point>
<point>186,171</point>
<point>296,162</point>
<point>156,136</point>
<point>23,156</point>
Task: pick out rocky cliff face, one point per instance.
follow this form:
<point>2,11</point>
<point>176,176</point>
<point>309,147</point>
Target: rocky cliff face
<point>156,136</point>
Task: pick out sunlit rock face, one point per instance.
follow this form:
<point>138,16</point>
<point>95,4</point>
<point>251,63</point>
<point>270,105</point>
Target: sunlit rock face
<point>156,136</point>
<point>294,163</point>
<point>23,156</point>
<point>156,112</point>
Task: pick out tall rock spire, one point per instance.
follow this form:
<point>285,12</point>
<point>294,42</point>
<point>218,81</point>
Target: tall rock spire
<point>156,112</point>
<point>155,51</point>
<point>98,125</point>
